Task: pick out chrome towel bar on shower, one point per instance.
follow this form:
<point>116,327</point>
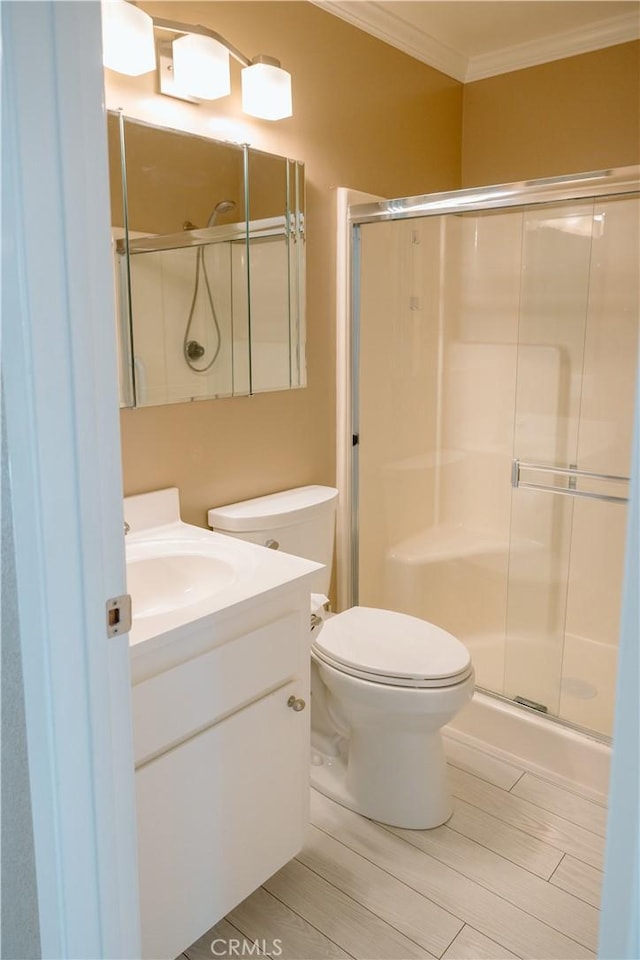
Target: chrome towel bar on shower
<point>573,474</point>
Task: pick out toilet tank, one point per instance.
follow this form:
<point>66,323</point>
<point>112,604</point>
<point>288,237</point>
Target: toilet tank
<point>301,521</point>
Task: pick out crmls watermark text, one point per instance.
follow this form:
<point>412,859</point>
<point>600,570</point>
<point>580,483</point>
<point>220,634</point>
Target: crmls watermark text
<point>245,948</point>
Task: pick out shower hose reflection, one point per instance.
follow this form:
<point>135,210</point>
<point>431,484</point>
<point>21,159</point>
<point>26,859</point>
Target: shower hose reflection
<point>192,350</point>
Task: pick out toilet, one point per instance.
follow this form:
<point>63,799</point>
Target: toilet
<point>383,684</point>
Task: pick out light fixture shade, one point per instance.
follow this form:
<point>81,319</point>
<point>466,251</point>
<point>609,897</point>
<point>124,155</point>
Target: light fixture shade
<point>266,90</point>
<point>127,38</point>
<point>201,67</point>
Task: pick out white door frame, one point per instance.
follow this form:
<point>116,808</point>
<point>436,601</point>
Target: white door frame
<point>345,419</point>
<point>60,382</point>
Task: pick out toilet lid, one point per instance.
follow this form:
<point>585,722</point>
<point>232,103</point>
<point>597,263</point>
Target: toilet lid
<point>389,647</point>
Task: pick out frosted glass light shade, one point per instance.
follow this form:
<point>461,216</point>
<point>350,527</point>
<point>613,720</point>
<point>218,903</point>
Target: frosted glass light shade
<point>127,38</point>
<point>201,67</point>
<point>266,91</point>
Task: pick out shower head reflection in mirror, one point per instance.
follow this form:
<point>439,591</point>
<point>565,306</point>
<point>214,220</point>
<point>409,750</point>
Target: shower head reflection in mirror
<point>192,349</point>
<point>225,206</point>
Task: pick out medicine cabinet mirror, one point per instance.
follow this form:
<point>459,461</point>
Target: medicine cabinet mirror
<point>209,266</point>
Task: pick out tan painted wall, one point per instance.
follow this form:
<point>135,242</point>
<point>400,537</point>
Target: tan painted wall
<point>365,116</point>
<point>572,115</point>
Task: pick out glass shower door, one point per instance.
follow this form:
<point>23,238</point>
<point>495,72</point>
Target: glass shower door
<point>439,300</point>
<point>488,339</point>
<point>576,368</point>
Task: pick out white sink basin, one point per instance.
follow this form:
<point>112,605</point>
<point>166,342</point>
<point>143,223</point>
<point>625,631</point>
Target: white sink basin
<point>189,586</point>
<point>169,575</point>
<point>177,573</point>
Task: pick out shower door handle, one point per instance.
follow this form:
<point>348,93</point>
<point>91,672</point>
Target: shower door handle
<point>573,474</point>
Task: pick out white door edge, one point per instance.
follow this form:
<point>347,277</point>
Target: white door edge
<point>60,382</point>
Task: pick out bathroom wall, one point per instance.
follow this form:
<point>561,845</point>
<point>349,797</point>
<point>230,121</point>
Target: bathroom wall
<point>366,116</point>
<point>568,116</point>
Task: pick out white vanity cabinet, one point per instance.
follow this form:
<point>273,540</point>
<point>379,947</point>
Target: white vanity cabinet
<point>222,745</point>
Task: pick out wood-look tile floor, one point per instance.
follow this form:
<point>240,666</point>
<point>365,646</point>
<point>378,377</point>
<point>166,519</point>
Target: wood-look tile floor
<point>515,872</point>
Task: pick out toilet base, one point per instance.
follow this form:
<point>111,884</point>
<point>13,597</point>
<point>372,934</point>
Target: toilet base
<point>329,776</point>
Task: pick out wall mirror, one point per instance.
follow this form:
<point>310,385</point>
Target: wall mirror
<point>208,252</point>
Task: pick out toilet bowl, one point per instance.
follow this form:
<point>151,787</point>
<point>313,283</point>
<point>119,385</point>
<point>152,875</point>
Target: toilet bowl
<point>383,684</point>
<point>387,685</point>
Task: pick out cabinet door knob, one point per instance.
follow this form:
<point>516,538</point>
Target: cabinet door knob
<point>296,703</point>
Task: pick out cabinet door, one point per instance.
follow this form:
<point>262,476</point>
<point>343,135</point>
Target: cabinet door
<point>217,815</point>
<point>191,696</point>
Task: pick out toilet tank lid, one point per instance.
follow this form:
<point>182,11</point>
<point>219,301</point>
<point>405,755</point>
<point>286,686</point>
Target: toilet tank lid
<point>277,509</point>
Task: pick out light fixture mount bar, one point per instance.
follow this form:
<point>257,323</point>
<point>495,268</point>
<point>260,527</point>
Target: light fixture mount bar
<point>174,26</point>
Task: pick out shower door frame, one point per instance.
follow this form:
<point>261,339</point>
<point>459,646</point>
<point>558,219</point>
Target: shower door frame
<point>614,182</point>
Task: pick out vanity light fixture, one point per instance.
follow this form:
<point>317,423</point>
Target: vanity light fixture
<point>201,67</point>
<point>127,38</point>
<point>195,65</point>
<point>266,89</point>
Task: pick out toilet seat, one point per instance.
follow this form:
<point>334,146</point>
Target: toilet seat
<point>383,646</point>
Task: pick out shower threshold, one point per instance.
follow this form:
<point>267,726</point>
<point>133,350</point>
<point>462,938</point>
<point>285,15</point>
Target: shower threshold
<point>547,745</point>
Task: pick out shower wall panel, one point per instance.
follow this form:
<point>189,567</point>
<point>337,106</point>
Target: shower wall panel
<point>480,339</point>
<point>399,385</point>
<point>270,354</point>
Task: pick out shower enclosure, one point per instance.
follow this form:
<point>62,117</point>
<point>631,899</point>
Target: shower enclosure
<point>495,347</point>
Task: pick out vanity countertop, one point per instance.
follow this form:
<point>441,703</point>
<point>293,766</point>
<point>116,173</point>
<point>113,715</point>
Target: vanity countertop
<point>188,584</point>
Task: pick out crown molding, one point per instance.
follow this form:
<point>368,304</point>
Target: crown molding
<point>569,43</point>
<point>395,31</point>
<point>370,17</point>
